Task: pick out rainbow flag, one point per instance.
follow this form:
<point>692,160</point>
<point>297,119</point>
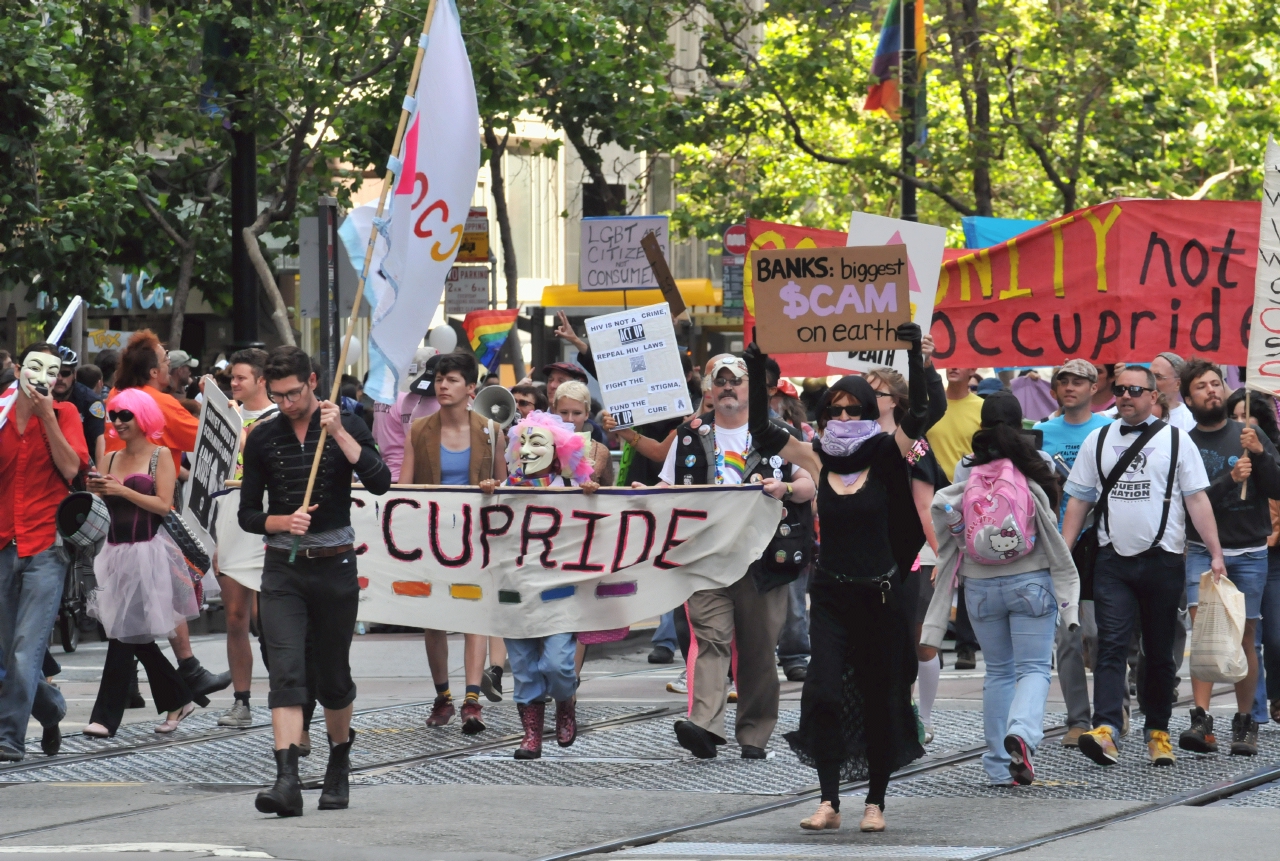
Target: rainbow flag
<point>487,331</point>
<point>884,96</point>
<point>736,461</point>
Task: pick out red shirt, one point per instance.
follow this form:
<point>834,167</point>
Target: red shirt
<point>30,484</point>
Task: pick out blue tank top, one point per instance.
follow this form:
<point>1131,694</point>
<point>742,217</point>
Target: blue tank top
<point>455,466</point>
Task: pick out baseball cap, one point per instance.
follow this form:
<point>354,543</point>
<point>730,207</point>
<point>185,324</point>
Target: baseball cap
<point>736,366</point>
<point>425,384</point>
<point>990,386</point>
<point>1079,368</point>
<point>787,388</point>
<point>565,368</point>
<point>181,358</point>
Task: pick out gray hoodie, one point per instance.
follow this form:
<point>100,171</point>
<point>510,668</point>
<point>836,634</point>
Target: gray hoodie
<point>1050,552</point>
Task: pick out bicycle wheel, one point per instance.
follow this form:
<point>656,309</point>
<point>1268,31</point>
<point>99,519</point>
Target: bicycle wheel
<point>68,632</point>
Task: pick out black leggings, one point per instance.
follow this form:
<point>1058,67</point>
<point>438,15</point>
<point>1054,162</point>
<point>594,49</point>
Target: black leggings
<point>829,780</point>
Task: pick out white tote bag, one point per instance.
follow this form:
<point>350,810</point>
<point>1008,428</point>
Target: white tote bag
<point>1216,653</point>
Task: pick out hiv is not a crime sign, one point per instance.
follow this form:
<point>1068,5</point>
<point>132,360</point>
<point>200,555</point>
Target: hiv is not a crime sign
<point>815,300</point>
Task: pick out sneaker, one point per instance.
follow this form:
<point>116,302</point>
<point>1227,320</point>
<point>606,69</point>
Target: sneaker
<point>872,819</point>
<point>1244,735</point>
<point>1072,738</point>
<point>1159,748</point>
<point>441,711</point>
<point>827,818</point>
<point>798,673</point>
<point>491,684</point>
<point>1199,737</point>
<point>966,659</point>
<point>915,710</point>
<point>679,685</point>
<point>238,715</point>
<point>1020,768</point>
<point>1098,745</point>
<point>472,723</point>
<point>695,739</point>
<point>661,655</point>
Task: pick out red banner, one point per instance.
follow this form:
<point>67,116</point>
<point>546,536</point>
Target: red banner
<point>770,234</point>
<point>1118,282</point>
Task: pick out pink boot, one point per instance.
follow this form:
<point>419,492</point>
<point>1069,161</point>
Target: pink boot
<point>566,722</point>
<point>532,717</point>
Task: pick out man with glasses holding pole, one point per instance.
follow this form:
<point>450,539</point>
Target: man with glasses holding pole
<point>1144,478</point>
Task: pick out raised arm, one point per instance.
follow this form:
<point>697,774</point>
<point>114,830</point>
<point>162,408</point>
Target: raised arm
<point>916,420</point>
<point>768,438</point>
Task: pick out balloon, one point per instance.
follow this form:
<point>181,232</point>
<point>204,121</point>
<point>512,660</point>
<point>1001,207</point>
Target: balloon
<point>353,352</point>
<point>443,338</point>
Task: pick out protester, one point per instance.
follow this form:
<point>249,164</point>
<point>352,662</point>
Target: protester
<point>717,449</point>
<point>861,616</point>
<point>144,585</point>
<point>418,400</point>
<point>1103,399</point>
<point>249,388</point>
<point>67,389</point>
<point>1152,485</point>
<point>180,364</point>
<point>1167,369</point>
<point>573,405</point>
<point>108,361</point>
<point>545,451</point>
<point>42,449</point>
<point>1020,581</point>
<point>308,602</point>
<point>1234,455</point>
<point>90,376</point>
<point>1062,436</point>
<point>529,397</point>
<point>458,446</point>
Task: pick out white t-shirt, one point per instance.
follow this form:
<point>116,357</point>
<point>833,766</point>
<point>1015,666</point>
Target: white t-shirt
<point>728,439</point>
<point>1137,500</point>
<point>1180,416</point>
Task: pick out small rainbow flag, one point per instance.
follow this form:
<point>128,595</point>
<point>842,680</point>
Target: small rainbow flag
<point>487,331</point>
<point>884,96</point>
<point>736,461</point>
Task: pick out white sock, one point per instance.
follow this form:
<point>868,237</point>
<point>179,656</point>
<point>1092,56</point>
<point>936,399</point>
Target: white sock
<point>927,678</point>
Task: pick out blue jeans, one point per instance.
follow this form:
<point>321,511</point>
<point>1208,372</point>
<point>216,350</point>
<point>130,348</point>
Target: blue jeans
<point>793,643</point>
<point>1267,641</point>
<point>665,633</point>
<point>30,591</point>
<point>1247,572</point>
<point>1014,618</point>
<point>543,666</point>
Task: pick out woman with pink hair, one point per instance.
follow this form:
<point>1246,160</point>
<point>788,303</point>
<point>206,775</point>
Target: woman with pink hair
<point>144,589</point>
<point>543,451</point>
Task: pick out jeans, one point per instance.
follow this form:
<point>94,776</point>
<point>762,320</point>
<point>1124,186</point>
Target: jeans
<point>1014,618</point>
<point>1128,590</point>
<point>793,643</point>
<point>30,591</point>
<point>542,666</point>
<point>965,638</point>
<point>665,633</point>
<point>1247,572</point>
<point>1268,641</point>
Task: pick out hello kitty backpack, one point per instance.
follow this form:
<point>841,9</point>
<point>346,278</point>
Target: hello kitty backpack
<point>999,514</point>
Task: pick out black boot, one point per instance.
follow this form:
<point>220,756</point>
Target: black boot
<point>200,681</point>
<point>285,798</point>
<point>336,793</point>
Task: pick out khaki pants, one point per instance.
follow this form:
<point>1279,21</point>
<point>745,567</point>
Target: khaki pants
<point>714,617</point>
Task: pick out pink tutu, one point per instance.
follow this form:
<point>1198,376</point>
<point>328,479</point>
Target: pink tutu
<point>144,590</point>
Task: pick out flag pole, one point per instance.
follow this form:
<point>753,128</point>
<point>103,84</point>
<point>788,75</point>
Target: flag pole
<point>1244,487</point>
<point>907,102</point>
<point>387,180</point>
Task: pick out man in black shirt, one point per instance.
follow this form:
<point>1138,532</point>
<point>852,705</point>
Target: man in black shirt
<point>314,597</point>
<point>1234,455</point>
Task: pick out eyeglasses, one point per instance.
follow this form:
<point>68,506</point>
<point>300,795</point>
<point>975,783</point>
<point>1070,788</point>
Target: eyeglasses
<point>66,372</point>
<point>290,396</point>
<point>726,382</point>
<point>525,404</point>
<point>120,416</point>
<point>1131,391</point>
<point>884,394</point>
<point>853,411</point>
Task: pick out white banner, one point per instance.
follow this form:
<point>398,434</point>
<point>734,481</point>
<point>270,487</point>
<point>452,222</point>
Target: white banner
<point>529,563</point>
<point>924,264</point>
<point>440,157</point>
<point>1264,334</point>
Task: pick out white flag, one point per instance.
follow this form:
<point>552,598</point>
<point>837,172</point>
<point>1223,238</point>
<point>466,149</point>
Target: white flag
<point>1264,332</point>
<point>440,157</point>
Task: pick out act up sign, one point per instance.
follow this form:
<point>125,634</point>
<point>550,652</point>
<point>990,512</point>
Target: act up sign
<point>818,300</point>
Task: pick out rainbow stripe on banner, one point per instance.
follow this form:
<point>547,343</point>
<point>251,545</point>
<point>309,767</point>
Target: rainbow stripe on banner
<point>487,331</point>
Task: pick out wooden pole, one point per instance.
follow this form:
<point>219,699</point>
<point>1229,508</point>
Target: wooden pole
<point>387,180</point>
<point>1244,487</point>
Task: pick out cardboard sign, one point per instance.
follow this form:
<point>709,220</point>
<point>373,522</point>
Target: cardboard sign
<point>611,257</point>
<point>816,300</point>
<point>214,459</point>
<point>638,365</point>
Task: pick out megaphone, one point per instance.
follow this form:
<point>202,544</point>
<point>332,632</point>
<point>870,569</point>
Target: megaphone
<point>495,402</point>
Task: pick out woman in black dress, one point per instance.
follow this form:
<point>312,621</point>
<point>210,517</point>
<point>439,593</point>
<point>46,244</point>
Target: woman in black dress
<point>856,720</point>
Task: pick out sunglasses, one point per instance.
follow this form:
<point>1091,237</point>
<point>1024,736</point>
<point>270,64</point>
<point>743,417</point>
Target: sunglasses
<point>120,416</point>
<point>1131,391</point>
<point>66,372</point>
<point>884,394</point>
<point>726,382</point>
<point>852,410</point>
<point>526,404</point>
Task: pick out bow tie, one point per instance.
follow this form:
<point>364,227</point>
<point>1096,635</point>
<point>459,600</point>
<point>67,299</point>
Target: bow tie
<point>1128,429</point>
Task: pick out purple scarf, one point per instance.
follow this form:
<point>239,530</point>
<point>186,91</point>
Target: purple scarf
<point>843,438</point>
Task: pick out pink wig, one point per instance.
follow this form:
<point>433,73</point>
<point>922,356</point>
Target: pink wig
<point>569,446</point>
<point>145,412</point>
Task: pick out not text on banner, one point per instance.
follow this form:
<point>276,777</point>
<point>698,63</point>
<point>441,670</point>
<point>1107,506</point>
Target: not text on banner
<point>638,365</point>
<point>1119,282</point>
<point>610,256</point>
<point>814,300</point>
<point>529,563</point>
<point>214,460</point>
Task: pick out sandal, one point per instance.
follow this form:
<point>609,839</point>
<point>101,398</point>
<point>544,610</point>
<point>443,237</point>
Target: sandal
<point>170,724</point>
<point>96,730</point>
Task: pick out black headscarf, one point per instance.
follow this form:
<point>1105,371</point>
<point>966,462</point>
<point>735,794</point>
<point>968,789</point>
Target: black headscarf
<point>859,389</point>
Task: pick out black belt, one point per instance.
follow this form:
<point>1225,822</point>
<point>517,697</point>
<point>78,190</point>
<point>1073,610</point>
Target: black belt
<point>318,552</point>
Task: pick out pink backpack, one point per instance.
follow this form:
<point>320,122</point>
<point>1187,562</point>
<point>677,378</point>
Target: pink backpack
<point>999,514</point>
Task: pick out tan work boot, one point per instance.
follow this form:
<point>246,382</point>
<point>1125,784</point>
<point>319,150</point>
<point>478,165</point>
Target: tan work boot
<point>872,818</point>
<point>1072,738</point>
<point>825,819</point>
